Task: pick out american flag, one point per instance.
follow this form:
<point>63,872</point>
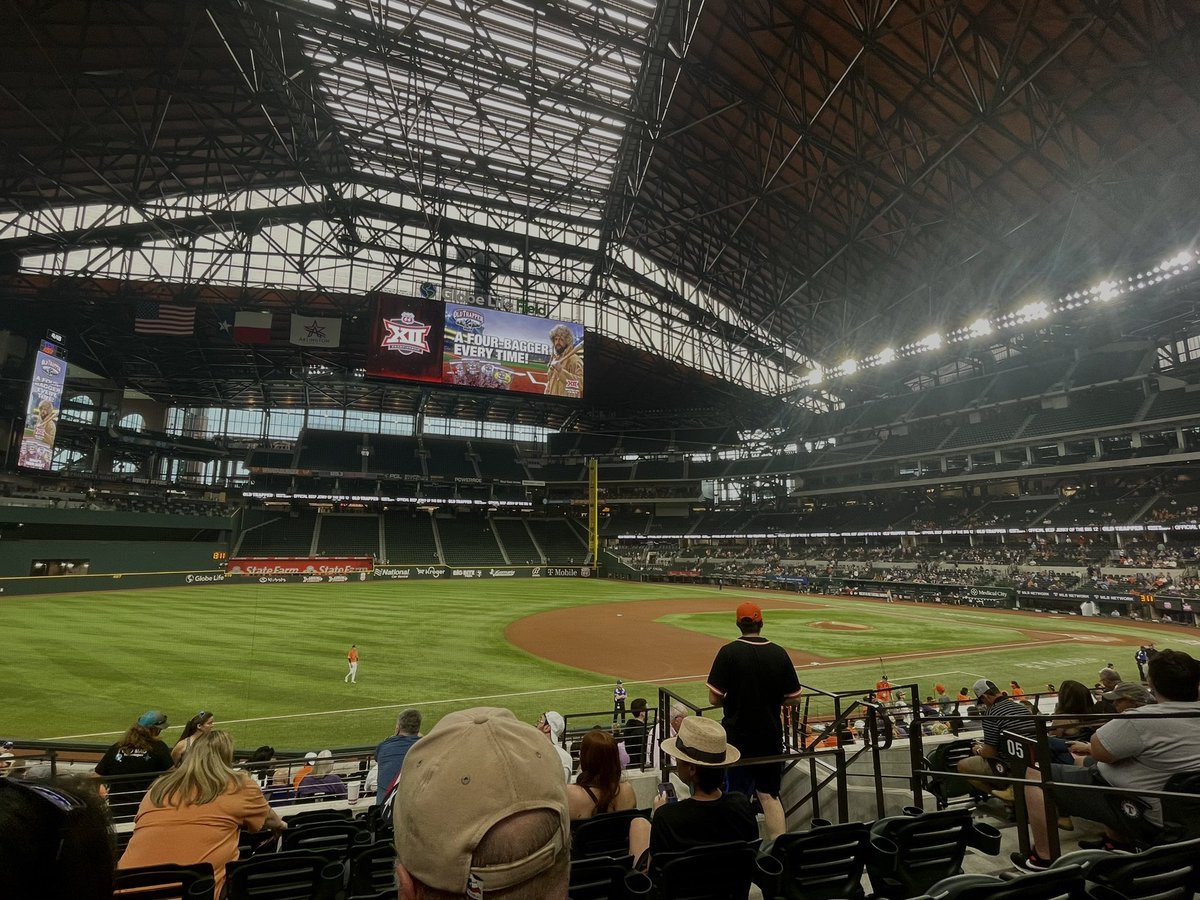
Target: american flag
<point>163,318</point>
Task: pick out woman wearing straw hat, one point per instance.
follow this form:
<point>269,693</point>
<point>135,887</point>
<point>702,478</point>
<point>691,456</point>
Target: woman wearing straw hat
<point>709,816</point>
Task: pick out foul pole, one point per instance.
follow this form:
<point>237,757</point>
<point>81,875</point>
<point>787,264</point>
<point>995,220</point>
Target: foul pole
<point>594,510</point>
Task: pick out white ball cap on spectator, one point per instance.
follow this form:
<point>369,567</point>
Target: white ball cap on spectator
<point>310,756</point>
<point>476,768</point>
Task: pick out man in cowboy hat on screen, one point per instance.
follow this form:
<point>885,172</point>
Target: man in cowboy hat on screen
<point>709,816</point>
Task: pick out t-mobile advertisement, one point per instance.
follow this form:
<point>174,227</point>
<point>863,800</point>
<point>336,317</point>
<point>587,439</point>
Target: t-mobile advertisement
<point>42,407</point>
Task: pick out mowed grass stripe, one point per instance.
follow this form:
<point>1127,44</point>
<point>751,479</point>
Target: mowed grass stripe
<point>92,662</point>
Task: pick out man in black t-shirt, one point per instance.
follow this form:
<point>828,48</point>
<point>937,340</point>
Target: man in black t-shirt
<point>633,733</point>
<point>751,678</point>
<point>709,816</point>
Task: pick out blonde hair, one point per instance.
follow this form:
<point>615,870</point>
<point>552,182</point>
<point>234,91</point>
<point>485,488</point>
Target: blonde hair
<point>204,775</point>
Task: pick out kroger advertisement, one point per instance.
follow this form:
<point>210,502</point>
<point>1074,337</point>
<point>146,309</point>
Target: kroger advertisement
<point>42,407</point>
<point>424,339</point>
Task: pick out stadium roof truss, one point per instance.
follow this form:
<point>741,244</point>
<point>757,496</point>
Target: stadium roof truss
<point>741,186</point>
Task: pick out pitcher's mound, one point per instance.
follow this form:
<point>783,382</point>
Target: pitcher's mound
<point>840,626</point>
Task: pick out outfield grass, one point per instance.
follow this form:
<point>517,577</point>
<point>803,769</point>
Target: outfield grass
<point>269,659</point>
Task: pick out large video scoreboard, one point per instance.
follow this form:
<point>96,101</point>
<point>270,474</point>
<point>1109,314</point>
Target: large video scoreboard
<point>457,344</point>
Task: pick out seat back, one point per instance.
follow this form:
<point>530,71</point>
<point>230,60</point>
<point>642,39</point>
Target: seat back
<point>313,816</point>
<point>1181,817</point>
<point>709,872</point>
<point>287,875</point>
<point>378,822</point>
<point>606,878</point>
<point>1169,872</point>
<point>372,870</point>
<point>165,882</point>
<point>929,847</point>
<point>825,863</point>
<point>1059,883</point>
<point>336,840</point>
<point>603,835</point>
<point>947,787</point>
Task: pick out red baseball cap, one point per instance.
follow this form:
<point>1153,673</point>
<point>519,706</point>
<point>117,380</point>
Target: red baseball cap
<point>749,612</point>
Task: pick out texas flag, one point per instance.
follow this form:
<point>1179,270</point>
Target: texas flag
<point>252,328</point>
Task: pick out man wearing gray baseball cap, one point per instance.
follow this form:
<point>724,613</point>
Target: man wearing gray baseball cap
<point>481,812</point>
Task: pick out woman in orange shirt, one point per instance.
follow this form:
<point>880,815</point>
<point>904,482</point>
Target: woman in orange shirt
<point>193,814</point>
<point>1016,690</point>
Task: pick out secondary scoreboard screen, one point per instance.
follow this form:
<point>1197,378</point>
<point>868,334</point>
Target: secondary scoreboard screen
<point>42,407</point>
<point>459,344</point>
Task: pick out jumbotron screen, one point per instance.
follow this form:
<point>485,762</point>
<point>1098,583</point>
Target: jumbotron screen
<point>480,347</point>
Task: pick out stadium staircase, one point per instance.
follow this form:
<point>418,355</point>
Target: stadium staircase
<point>410,539</point>
<point>347,535</point>
<point>516,541</point>
<point>469,541</point>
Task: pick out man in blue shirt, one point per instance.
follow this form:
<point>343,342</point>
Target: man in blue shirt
<point>390,754</point>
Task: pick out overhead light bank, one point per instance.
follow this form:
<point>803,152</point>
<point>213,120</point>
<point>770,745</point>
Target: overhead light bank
<point>1028,313</point>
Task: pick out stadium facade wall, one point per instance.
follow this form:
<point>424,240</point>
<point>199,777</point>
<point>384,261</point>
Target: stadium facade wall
<point>112,557</point>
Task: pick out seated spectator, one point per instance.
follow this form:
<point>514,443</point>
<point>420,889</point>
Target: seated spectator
<point>482,812</point>
<point>305,770</point>
<point>391,752</point>
<point>599,789</point>
<point>322,783</point>
<point>56,841</point>
<point>271,778</point>
<point>710,815</point>
<point>1136,750</point>
<point>1074,699</point>
<point>999,714</point>
<point>194,813</point>
<point>198,724</point>
<point>552,725</point>
<point>259,765</point>
<point>131,764</point>
<point>1109,679</point>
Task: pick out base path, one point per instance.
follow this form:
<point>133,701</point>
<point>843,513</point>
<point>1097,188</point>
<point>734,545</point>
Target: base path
<point>624,640</point>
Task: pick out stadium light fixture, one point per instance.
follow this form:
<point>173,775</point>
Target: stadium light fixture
<point>980,328</point>
<point>1101,292</point>
<point>1031,312</point>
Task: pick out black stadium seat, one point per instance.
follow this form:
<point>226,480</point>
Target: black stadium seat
<point>826,862</point>
<point>290,875</point>
<point>712,872</point>
<point>165,882</point>
<point>603,835</point>
<point>930,847</point>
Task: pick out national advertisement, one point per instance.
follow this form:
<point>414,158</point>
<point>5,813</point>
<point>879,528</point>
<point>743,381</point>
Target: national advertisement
<point>42,407</point>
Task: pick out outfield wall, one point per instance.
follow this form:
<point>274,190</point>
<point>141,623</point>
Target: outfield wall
<point>66,584</point>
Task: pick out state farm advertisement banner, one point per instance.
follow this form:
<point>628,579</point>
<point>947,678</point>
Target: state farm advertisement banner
<point>291,565</point>
<point>406,339</point>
